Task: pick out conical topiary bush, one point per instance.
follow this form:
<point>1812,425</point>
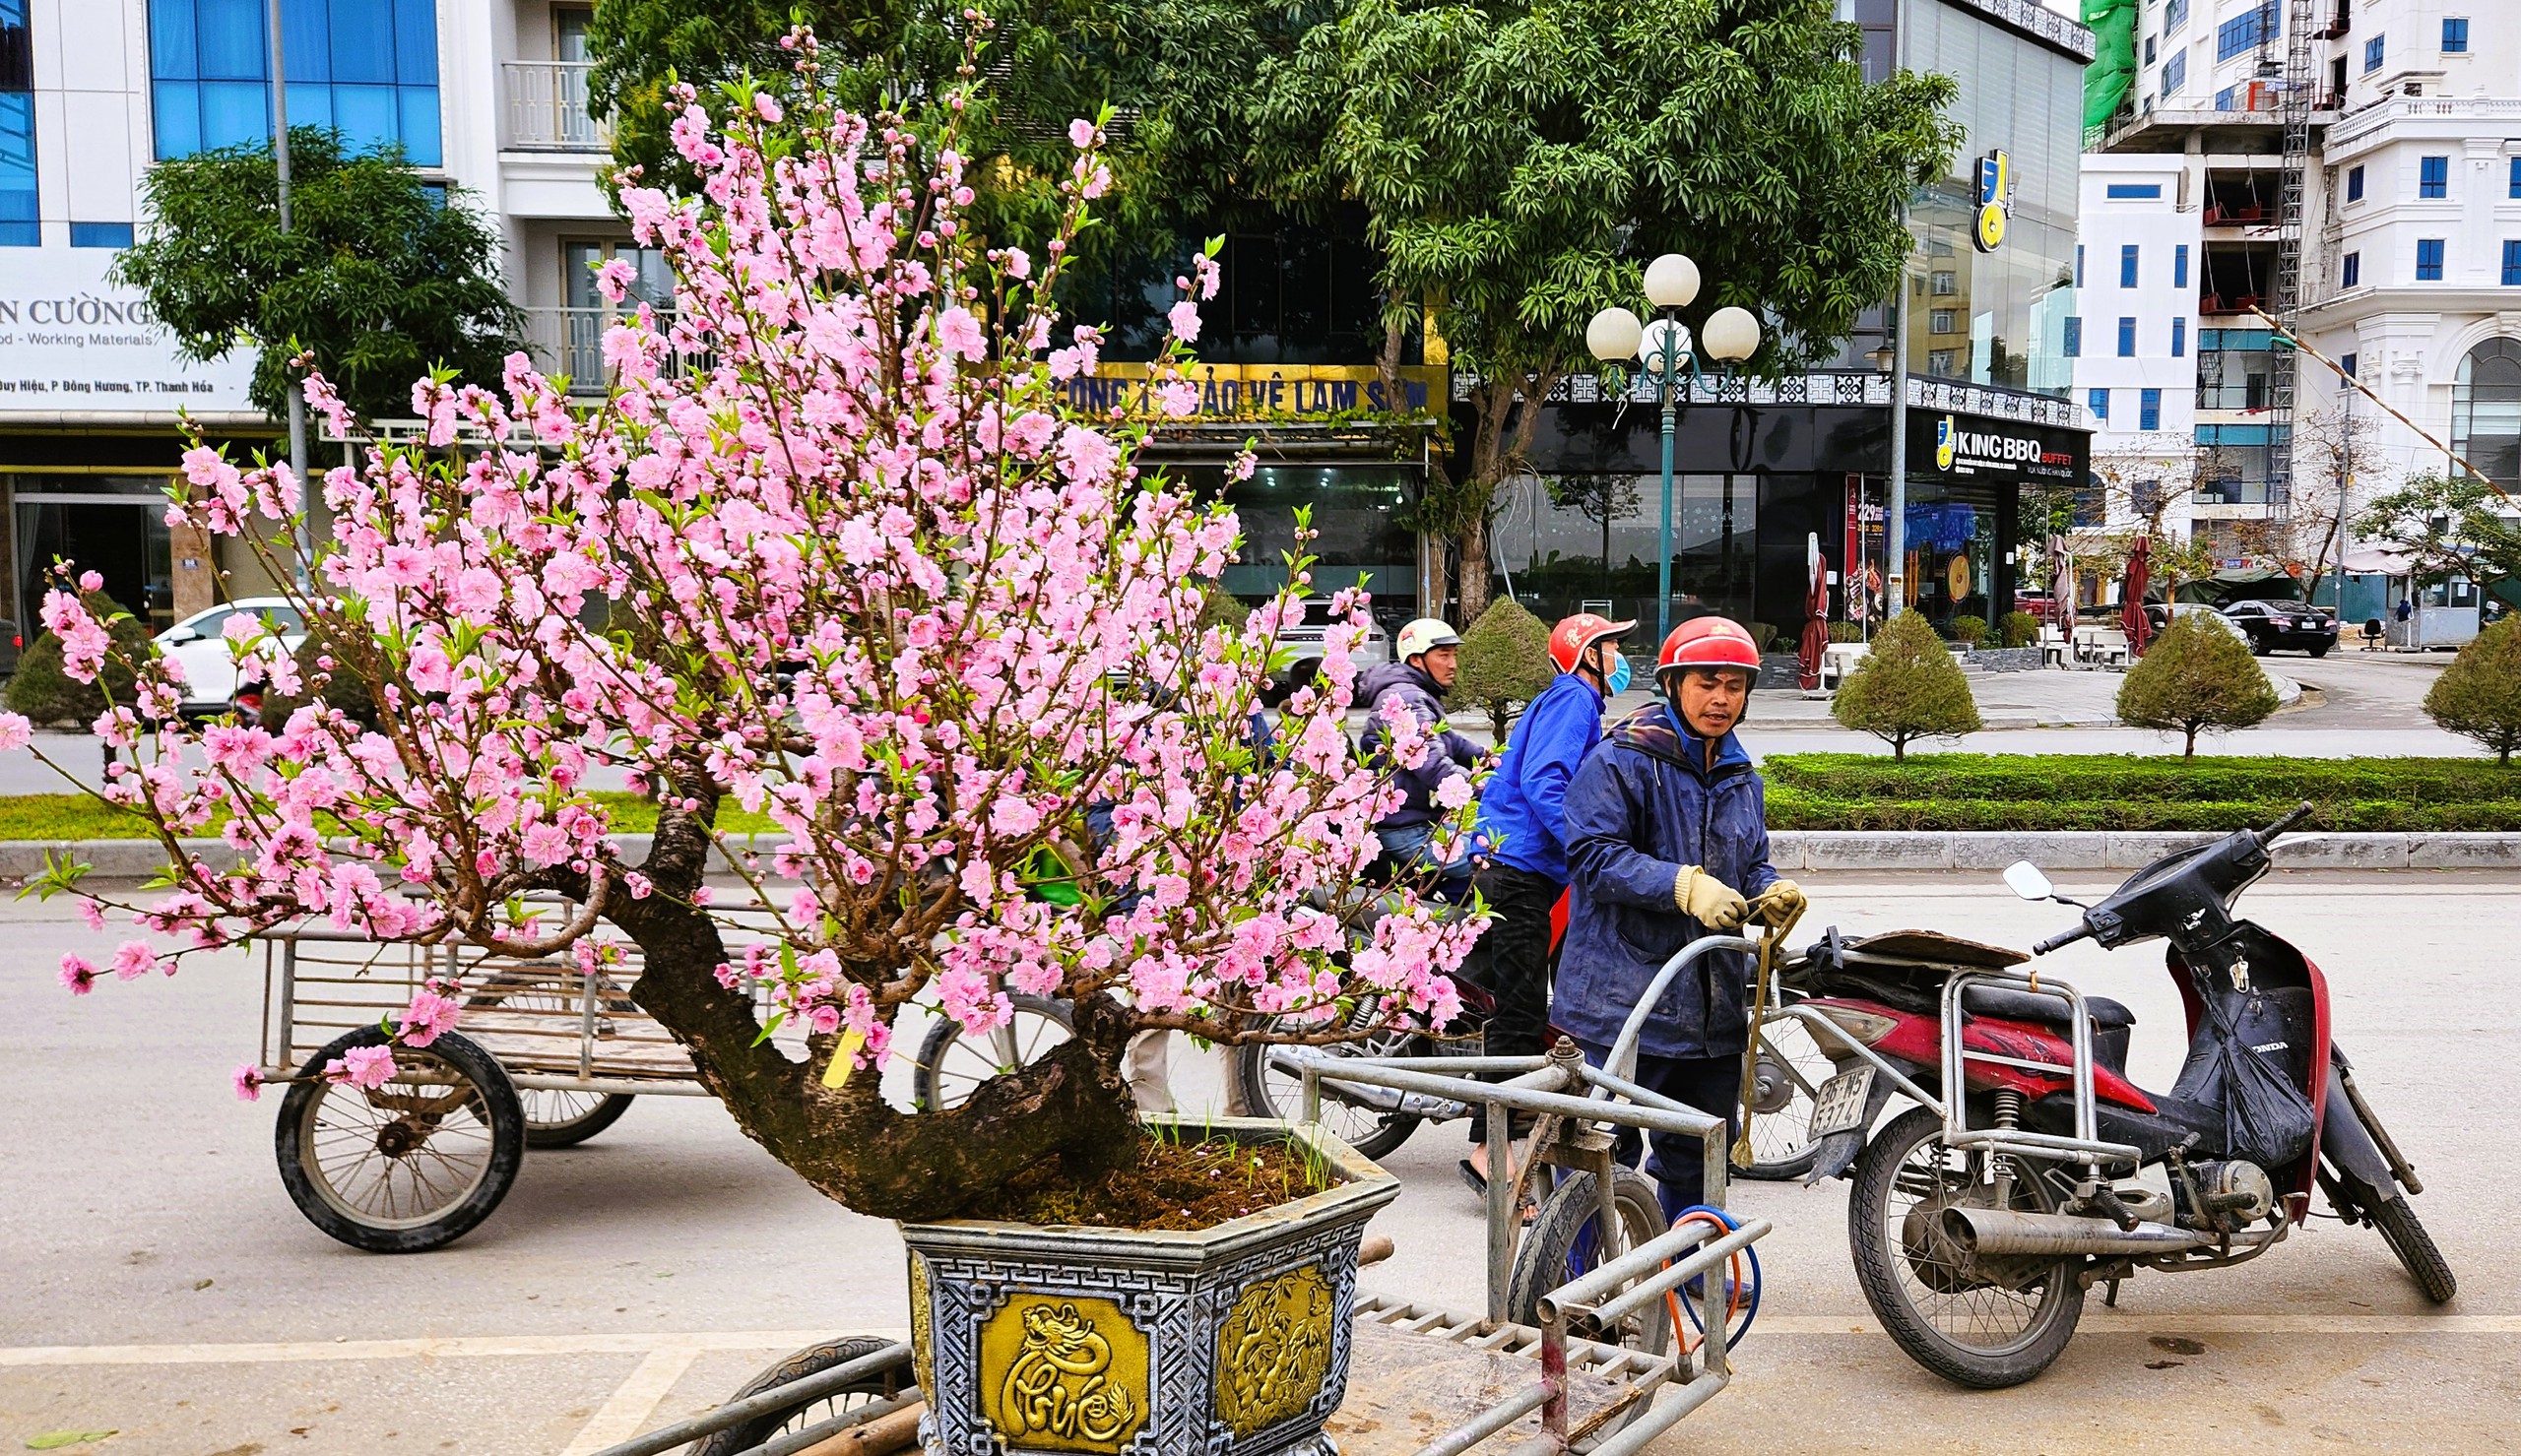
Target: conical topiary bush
<point>1908,688</point>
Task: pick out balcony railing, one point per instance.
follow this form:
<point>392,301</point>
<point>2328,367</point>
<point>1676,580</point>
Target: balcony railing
<point>2473,109</point>
<point>570,340</point>
<point>2251,396</point>
<point>547,108</point>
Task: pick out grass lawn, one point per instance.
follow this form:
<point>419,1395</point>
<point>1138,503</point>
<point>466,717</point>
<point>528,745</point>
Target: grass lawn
<point>76,816</point>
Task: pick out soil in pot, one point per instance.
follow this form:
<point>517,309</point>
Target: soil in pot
<point>1177,1184</point>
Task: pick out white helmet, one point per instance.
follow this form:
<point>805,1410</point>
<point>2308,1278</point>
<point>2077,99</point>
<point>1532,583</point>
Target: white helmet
<point>1420,635</point>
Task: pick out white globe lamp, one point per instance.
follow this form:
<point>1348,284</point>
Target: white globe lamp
<point>1671,282</point>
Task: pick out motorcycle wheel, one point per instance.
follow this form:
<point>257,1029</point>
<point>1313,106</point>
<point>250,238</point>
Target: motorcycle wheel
<point>951,1065</point>
<point>1789,1066</point>
<point>1931,1300</point>
<point>813,1359</point>
<point>1272,1090</point>
<point>2407,1238</point>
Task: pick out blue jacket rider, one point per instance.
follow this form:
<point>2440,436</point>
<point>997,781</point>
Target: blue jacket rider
<point>1667,841</point>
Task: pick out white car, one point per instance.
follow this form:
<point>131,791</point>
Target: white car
<point>199,646</point>
<point>1305,637</point>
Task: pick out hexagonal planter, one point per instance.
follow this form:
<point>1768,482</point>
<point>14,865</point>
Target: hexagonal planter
<point>1231,1341</point>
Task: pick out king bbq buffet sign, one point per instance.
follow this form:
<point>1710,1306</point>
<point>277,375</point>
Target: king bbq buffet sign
<point>1972,447</point>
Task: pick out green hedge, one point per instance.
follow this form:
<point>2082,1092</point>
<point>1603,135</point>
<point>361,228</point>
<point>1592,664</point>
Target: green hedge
<point>1976,790</point>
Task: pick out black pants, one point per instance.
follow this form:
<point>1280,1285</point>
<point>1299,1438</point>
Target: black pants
<point>1711,1085</point>
<point>1512,962</point>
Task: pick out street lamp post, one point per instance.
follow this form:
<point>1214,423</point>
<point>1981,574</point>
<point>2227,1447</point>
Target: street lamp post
<point>1616,335</point>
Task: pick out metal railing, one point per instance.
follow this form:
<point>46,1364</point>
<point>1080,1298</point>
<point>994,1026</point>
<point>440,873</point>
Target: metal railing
<point>2372,118</point>
<point>547,107</point>
<point>2250,396</point>
<point>570,340</point>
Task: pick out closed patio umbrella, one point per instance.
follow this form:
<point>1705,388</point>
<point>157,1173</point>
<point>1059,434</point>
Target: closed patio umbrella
<point>1815,615</point>
<point>2131,611</point>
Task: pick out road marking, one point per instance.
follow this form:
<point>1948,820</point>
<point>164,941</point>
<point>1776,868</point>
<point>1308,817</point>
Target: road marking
<point>448,1347</point>
<point>2174,1323</point>
<point>624,1414</point>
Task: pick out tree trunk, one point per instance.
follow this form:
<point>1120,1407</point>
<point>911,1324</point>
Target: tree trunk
<point>2191,751</point>
<point>1471,547</point>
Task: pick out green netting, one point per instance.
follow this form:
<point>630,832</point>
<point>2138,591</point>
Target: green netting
<point>2114,63</point>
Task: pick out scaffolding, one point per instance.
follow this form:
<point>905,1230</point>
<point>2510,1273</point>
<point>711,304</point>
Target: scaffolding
<point>2296,103</point>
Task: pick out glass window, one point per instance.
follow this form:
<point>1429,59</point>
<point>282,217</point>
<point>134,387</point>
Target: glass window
<point>21,224</point>
<point>2098,402</point>
<point>2346,362</point>
<point>2174,16</point>
<point>2485,410</point>
<point>2074,337</point>
<point>2149,55</point>
<point>2127,338</point>
<point>2373,50</point>
<point>2135,191</point>
<point>2245,32</point>
<point>2179,338</point>
<point>2434,176</point>
<point>2429,260</point>
<point>2512,187</point>
<point>100,234</point>
<point>2149,410</point>
<point>2225,99</point>
<point>2455,34</point>
<point>368,67</point>
<point>2179,266</point>
<point>2127,265</point>
<point>2174,75</point>
<point>1944,321</point>
<point>2355,183</point>
<point>2351,273</point>
<point>2079,247</point>
<point>2511,262</point>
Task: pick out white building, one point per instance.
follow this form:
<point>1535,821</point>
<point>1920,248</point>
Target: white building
<point>2137,252</point>
<point>2410,244</point>
<point>486,95</point>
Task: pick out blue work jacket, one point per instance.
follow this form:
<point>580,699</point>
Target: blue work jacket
<point>1523,805</point>
<point>1644,804</point>
<point>1448,755</point>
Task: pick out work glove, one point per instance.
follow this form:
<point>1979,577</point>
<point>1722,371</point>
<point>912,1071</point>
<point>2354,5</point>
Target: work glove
<point>1707,900</point>
<point>1781,902</point>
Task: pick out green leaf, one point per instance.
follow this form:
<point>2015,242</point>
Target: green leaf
<point>54,1441</point>
<point>769,1026</point>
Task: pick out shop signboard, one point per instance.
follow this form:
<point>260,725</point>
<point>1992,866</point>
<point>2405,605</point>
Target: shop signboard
<point>1948,446</point>
<point>71,343</point>
<point>1315,394</point>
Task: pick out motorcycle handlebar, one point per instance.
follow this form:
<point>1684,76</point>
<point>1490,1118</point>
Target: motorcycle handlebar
<point>2081,931</point>
<point>2297,816</point>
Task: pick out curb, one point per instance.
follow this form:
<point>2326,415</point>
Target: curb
<point>1823,850</point>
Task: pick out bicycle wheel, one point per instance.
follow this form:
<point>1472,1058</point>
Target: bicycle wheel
<point>1787,1070</point>
<point>806,1415</point>
<point>952,1066</point>
<point>556,1117</point>
<point>1274,1088</point>
<point>411,1166</point>
<point>563,1117</point>
<point>1565,1241</point>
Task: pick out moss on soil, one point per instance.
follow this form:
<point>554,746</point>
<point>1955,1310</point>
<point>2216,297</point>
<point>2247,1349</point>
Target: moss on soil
<point>1183,1185</point>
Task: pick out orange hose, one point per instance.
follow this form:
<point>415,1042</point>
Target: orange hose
<point>1735,1276</point>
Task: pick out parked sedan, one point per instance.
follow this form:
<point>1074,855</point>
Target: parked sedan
<point>199,645</point>
<point>2282,626</point>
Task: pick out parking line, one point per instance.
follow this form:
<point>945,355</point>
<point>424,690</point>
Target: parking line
<point>624,1414</point>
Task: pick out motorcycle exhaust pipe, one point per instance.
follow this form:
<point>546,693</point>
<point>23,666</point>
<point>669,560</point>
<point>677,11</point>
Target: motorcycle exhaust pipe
<point>1989,1231</point>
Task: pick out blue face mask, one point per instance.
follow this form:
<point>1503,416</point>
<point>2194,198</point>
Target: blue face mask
<point>1619,675</point>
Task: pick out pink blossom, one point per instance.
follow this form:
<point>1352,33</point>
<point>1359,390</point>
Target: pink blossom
<point>248,1082</point>
<point>134,959</point>
<point>428,1016</point>
<point>1080,134</point>
<point>14,731</point>
<point>960,332</point>
<point>1183,319</point>
<point>369,1068</point>
<point>92,581</point>
<point>78,973</point>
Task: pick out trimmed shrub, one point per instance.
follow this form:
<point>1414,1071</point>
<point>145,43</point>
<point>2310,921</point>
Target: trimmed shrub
<point>47,695</point>
<point>1219,607</point>
<point>2478,696</point>
<point>1971,632</point>
<point>1847,631</point>
<point>1908,689</point>
<point>2196,675</point>
<point>1771,639</point>
<point>2021,629</point>
<point>1505,662</point>
<point>341,686</point>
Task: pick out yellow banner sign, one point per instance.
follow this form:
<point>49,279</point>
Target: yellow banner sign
<point>1259,392</point>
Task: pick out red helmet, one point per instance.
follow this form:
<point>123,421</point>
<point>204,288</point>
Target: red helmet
<point>1569,639</point>
<point>1708,642</point>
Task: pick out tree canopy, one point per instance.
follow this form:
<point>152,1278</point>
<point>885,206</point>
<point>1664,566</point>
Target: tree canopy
<point>2445,526</point>
<point>2199,674</point>
<point>1519,161</point>
<point>1906,688</point>
<point>382,275</point>
<point>2478,696</point>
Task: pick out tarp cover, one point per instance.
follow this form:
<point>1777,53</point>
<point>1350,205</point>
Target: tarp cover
<point>2114,62</point>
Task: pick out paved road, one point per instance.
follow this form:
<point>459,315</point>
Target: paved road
<point>159,1283</point>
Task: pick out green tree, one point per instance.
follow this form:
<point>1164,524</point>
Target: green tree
<point>47,694</point>
<point>1518,161</point>
<point>382,276</point>
<point>2198,674</point>
<point>2021,629</point>
<point>2478,696</point>
<point>2444,528</point>
<point>1601,499</point>
<point>1906,688</point>
<point>1505,662</point>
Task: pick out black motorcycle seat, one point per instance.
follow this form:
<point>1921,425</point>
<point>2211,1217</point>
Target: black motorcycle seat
<point>2042,1008</point>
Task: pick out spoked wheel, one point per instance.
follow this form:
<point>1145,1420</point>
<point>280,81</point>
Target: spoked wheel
<point>1565,1241</point>
<point>556,1117</point>
<point>408,1167</point>
<point>1787,1068</point>
<point>1983,1322</point>
<point>952,1064</point>
<point>806,1415</point>
<point>1274,1087</point>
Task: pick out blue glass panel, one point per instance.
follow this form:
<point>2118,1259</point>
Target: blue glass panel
<point>366,116</point>
<point>171,42</point>
<point>20,236</point>
<point>363,41</point>
<point>306,46</point>
<point>230,41</point>
<point>100,234</point>
<point>419,125</point>
<point>310,104</point>
<point>235,113</point>
<point>17,142</point>
<point>416,42</point>
<point>176,107</point>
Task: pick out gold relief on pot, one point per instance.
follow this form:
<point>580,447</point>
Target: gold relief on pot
<point>1274,1350</point>
<point>1064,1374</point>
<point>922,1357</point>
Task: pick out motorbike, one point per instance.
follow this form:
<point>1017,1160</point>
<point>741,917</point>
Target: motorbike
<point>2030,1169</point>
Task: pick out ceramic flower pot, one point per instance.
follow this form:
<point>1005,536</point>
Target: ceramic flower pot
<point>1231,1341</point>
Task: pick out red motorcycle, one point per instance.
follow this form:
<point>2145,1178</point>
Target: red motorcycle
<point>2030,1168</point>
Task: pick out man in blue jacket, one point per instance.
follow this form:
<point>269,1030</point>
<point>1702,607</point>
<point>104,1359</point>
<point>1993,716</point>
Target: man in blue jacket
<point>1667,841</point>
<point>1426,659</point>
<point>1521,817</point>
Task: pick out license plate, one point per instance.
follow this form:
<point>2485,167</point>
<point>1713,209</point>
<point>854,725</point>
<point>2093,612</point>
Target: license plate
<point>1839,1104</point>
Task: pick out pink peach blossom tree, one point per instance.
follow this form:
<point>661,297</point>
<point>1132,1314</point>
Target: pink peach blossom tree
<point>861,570</point>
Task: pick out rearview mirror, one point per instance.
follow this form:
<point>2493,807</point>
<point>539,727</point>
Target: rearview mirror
<point>2024,879</point>
<point>178,636</point>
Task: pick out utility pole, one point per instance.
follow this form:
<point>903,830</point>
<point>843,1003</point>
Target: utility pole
<point>306,542</point>
<point>1895,512</point>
